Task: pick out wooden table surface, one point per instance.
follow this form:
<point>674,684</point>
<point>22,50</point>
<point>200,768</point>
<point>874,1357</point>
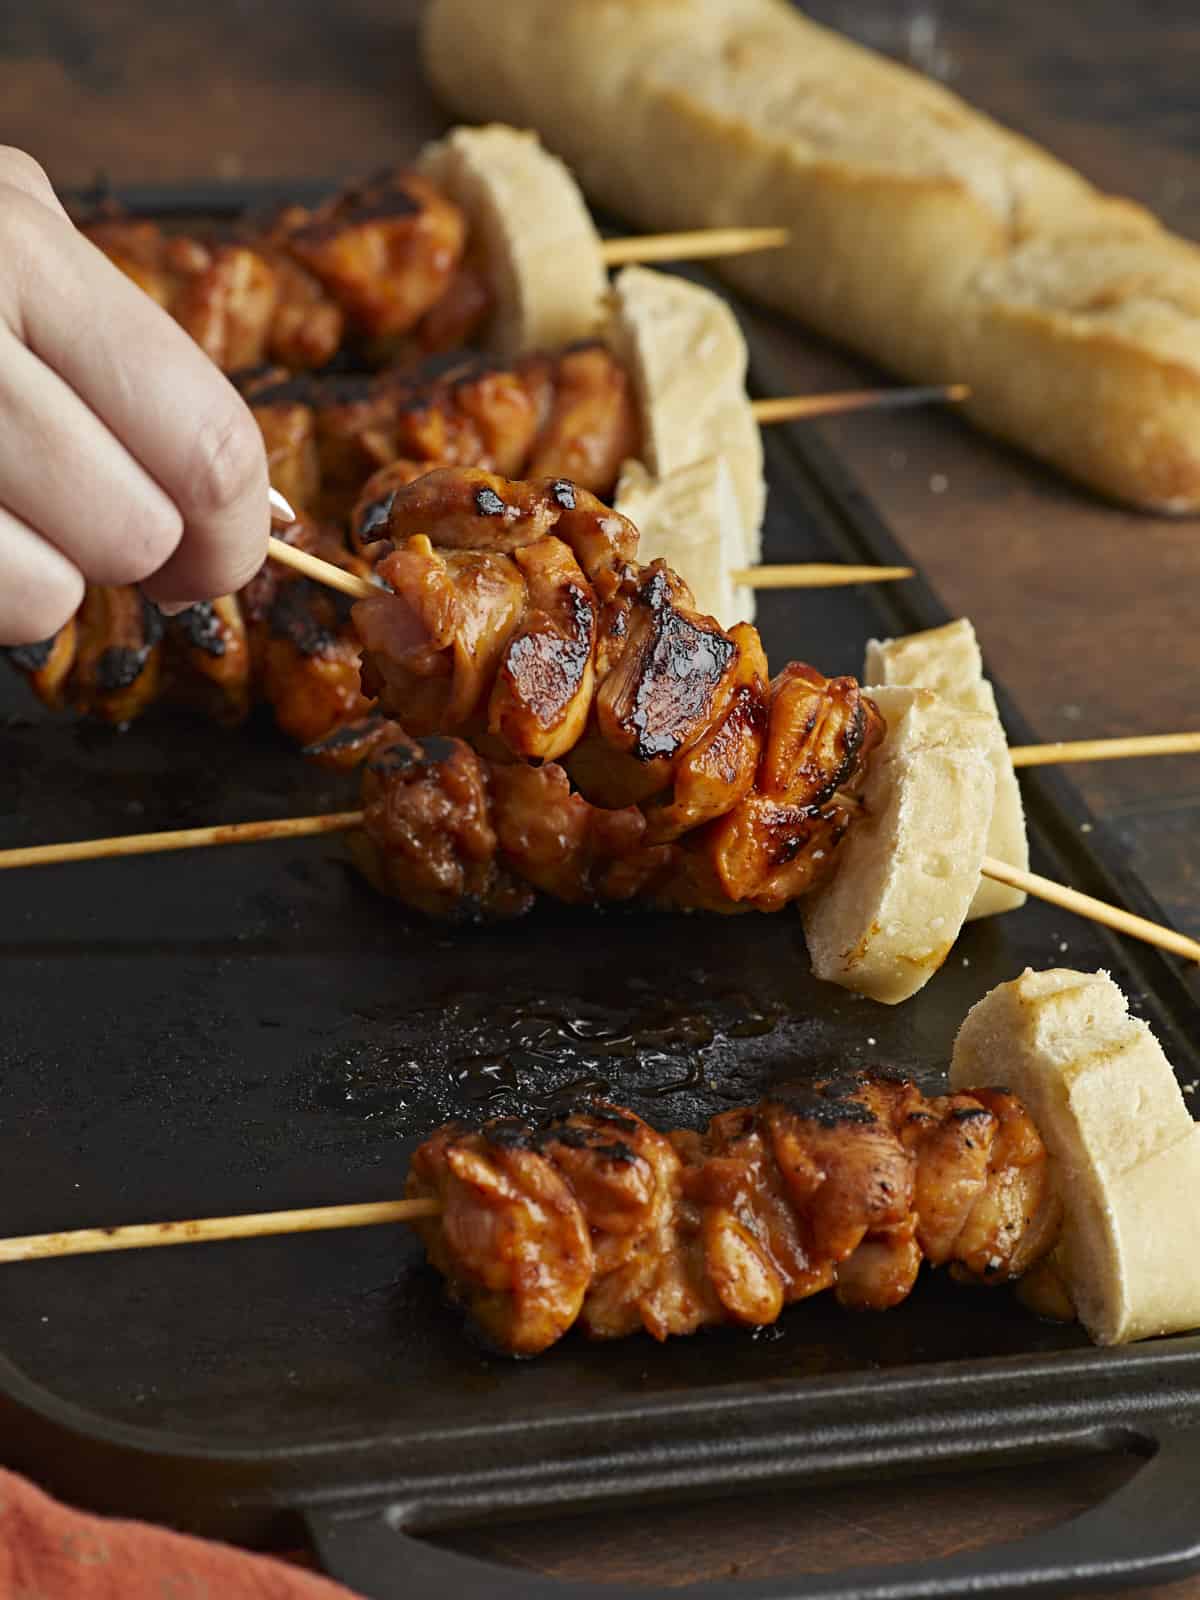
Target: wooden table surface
<point>1086,613</point>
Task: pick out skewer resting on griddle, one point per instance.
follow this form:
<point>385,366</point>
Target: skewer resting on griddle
<point>136,844</point>
<point>204,1230</point>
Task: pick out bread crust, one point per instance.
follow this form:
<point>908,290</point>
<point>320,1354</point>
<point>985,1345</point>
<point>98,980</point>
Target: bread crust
<point>909,868</point>
<point>1125,1150</point>
<point>923,233</point>
<point>948,661</point>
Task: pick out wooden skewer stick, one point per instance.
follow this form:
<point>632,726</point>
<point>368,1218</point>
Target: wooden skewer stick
<point>1150,744</point>
<point>815,575</point>
<point>1058,894</point>
<point>800,407</point>
<point>702,244</point>
<point>136,844</point>
<point>805,575</point>
<point>203,1230</point>
<point>148,844</point>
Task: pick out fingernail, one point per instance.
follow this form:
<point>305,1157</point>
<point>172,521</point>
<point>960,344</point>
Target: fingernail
<point>172,608</point>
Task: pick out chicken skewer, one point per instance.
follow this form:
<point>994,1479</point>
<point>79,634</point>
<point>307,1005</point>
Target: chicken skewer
<point>410,262</point>
<point>847,1185</point>
<point>698,785</point>
<point>288,645</point>
<point>593,1219</point>
<point>161,843</point>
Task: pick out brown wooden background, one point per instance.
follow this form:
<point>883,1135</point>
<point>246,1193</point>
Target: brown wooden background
<point>1086,613</point>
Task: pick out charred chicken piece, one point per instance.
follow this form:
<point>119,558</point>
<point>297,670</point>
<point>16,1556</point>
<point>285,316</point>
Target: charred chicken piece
<point>386,251</point>
<point>48,664</point>
<point>118,655</point>
<point>208,659</point>
<point>816,1188</point>
<point>305,653</point>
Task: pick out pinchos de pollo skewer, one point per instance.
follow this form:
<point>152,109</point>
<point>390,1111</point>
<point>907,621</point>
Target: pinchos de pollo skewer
<point>290,644</point>
<point>595,1220</point>
<point>486,239</point>
<point>581,730</point>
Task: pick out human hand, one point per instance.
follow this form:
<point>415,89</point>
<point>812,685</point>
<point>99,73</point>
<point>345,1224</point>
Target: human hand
<point>125,455</point>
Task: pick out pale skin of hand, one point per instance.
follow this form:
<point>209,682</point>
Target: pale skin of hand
<point>125,455</point>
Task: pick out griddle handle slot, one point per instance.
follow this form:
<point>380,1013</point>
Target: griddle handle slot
<point>1147,1530</point>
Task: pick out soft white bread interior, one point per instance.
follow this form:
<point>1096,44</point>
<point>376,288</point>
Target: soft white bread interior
<point>922,232</point>
<point>908,869</point>
<point>947,660</point>
<point>1126,1152</point>
<point>683,347</point>
<point>541,247</point>
<point>691,520</point>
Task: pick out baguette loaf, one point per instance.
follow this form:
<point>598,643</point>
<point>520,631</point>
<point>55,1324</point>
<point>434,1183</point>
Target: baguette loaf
<point>922,233</point>
<point>1125,1149</point>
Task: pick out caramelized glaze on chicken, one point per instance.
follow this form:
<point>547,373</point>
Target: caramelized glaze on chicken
<point>514,616</point>
<point>598,1221</point>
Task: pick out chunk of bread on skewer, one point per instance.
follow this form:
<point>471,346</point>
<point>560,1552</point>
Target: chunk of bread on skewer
<point>691,520</point>
<point>684,350</point>
<point>543,254</point>
<point>910,866</point>
<point>1125,1148</point>
<point>948,661</point>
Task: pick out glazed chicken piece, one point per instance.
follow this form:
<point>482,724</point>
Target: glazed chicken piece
<point>305,654</point>
<point>817,1188</point>
<point>777,841</point>
<point>475,415</point>
<point>208,659</point>
<point>463,838</point>
<point>307,327</point>
<point>224,294</point>
<point>428,836</point>
<point>289,435</point>
<point>511,1238</point>
<point>593,423</point>
<point>453,322</point>
<point>386,251</point>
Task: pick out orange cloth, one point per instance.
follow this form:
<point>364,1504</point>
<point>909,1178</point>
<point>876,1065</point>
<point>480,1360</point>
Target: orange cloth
<point>50,1553</point>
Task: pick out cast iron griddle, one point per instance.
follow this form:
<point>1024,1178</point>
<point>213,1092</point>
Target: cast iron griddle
<point>251,1029</point>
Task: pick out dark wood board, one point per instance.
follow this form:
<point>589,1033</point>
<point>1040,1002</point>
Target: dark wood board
<point>1086,613</point>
